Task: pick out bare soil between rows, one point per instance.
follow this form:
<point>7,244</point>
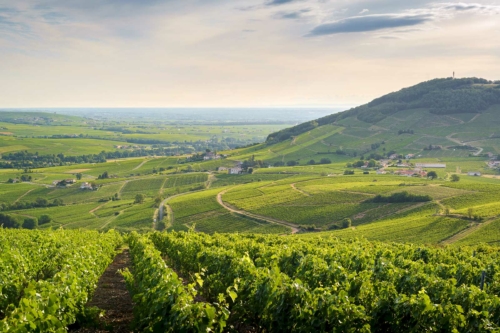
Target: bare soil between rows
<point>113,297</point>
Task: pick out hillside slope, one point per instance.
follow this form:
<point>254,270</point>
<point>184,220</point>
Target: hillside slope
<point>437,118</point>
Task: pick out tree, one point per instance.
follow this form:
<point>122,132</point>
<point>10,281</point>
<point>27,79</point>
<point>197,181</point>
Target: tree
<point>447,210</point>
<point>372,163</point>
<point>79,176</point>
<point>311,162</point>
<point>44,219</point>
<point>346,223</point>
<point>42,202</point>
<point>158,200</point>
<point>470,212</point>
<point>139,198</point>
<point>325,161</point>
<point>291,163</point>
<point>455,178</point>
<point>250,170</point>
<point>8,221</point>
<point>432,175</point>
<point>30,223</point>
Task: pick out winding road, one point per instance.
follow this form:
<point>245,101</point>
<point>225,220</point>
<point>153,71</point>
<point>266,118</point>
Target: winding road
<point>294,227</point>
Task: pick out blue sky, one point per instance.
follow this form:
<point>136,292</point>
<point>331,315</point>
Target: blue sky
<point>214,53</point>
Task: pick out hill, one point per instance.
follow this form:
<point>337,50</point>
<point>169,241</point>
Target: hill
<point>435,119</point>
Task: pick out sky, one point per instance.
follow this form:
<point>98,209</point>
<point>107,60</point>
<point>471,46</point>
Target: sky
<point>232,53</point>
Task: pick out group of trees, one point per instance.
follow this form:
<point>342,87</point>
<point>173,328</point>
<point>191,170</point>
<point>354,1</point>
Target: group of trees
<point>358,164</point>
<point>38,203</point>
<point>7,221</point>
<point>322,161</point>
<point>400,197</point>
<point>407,131</point>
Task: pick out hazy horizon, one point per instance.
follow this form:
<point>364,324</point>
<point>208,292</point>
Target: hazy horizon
<point>252,53</point>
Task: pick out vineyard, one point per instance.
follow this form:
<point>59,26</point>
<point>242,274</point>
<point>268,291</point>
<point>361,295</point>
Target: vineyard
<point>197,282</point>
<point>46,278</point>
<point>291,284</point>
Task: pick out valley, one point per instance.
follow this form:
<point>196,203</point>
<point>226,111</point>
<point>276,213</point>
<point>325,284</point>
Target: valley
<point>382,218</point>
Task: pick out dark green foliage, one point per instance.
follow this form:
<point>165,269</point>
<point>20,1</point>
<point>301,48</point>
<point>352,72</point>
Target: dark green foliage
<point>432,175</point>
<point>39,203</point>
<point>291,163</point>
<point>325,161</point>
<point>8,221</point>
<point>44,219</point>
<point>30,223</point>
<point>455,178</point>
<point>346,223</point>
<point>139,198</point>
<point>348,172</point>
<point>104,175</point>
<point>400,197</point>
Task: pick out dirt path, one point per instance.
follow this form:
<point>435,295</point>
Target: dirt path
<point>122,187</point>
<point>480,150</point>
<point>298,190</point>
<point>294,227</point>
<point>25,194</point>
<point>112,296</point>
<point>111,219</point>
<point>475,117</point>
<point>473,227</point>
<point>94,210</point>
<point>140,165</point>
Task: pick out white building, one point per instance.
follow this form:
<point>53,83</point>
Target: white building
<point>86,186</point>
<point>235,171</point>
<point>211,156</point>
<point>474,173</point>
<point>430,165</point>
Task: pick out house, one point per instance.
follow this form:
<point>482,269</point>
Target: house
<point>411,173</point>
<point>430,165</point>
<point>86,186</point>
<point>381,172</point>
<point>409,156</point>
<point>211,156</point>
<point>494,164</point>
<point>70,181</point>
<point>474,173</point>
<point>394,156</point>
<point>55,182</point>
<point>235,171</point>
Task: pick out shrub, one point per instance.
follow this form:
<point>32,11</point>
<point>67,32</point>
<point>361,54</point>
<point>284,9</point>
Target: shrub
<point>346,223</point>
<point>44,219</point>
<point>30,223</point>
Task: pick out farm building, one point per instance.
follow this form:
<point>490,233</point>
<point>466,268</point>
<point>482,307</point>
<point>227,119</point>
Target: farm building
<point>86,186</point>
<point>494,164</point>
<point>211,156</point>
<point>411,173</point>
<point>430,165</point>
<point>474,173</point>
<point>235,171</point>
